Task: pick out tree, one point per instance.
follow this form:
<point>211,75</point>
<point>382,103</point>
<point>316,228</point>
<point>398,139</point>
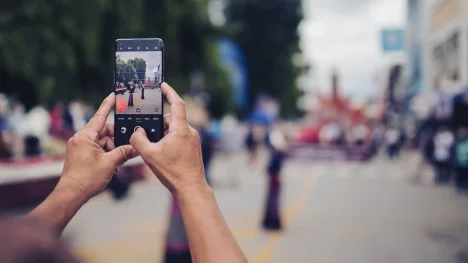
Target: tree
<point>64,50</point>
<point>266,30</point>
<point>140,66</point>
<point>125,71</point>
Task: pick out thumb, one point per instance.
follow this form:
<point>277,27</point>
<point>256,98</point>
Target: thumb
<point>121,154</point>
<point>139,141</point>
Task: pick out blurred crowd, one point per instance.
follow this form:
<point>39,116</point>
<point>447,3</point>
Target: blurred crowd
<point>40,131</point>
<point>443,138</point>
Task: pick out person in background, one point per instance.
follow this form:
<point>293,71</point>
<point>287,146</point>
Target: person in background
<point>3,112</point>
<point>90,163</point>
<point>142,92</point>
<point>252,146</point>
<point>461,156</point>
<point>68,124</point>
<point>131,90</point>
<point>56,121</point>
<point>77,111</point>
<point>441,149</point>
<point>277,143</point>
<point>177,249</point>
<point>38,120</point>
<point>392,139</point>
<point>5,152</point>
<point>18,128</point>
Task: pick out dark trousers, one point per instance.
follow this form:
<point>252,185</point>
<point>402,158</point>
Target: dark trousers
<point>461,181</point>
<point>443,172</point>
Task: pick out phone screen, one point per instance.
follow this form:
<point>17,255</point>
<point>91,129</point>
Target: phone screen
<point>138,78</point>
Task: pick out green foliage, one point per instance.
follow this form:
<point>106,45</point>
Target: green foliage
<point>266,30</point>
<point>125,71</point>
<point>140,67</point>
<point>64,49</point>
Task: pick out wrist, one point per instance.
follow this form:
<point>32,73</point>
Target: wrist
<point>58,208</point>
<point>69,190</point>
<point>191,191</point>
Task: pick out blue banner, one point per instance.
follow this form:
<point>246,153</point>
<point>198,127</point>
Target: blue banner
<point>393,40</point>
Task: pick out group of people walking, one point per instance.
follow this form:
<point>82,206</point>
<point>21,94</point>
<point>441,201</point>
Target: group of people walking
<point>132,87</point>
<point>446,149</point>
<point>445,140</point>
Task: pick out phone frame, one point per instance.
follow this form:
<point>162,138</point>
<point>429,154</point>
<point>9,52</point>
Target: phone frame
<point>133,43</point>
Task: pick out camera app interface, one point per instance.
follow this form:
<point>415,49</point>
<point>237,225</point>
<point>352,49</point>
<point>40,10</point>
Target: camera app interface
<point>138,78</point>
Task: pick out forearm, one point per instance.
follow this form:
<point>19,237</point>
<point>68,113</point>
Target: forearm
<point>209,237</point>
<point>58,209</point>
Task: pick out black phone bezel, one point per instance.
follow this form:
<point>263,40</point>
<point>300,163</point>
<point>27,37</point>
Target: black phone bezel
<point>133,43</point>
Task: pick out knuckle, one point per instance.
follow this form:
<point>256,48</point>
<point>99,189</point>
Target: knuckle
<point>184,133</point>
<point>180,102</point>
<point>98,115</point>
<point>195,134</point>
<point>105,101</point>
<point>71,141</point>
<point>124,154</point>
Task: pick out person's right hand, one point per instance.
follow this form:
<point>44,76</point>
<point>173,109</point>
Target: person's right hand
<point>176,159</point>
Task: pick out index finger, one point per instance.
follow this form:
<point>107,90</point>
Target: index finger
<point>178,113</point>
<point>99,119</point>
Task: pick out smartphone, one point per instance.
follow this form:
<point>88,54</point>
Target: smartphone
<point>139,72</point>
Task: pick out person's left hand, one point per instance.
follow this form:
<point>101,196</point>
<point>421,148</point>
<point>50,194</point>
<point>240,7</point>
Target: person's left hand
<point>92,158</point>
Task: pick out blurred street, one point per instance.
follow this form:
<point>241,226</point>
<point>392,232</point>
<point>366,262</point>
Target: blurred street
<point>149,105</point>
<point>333,212</point>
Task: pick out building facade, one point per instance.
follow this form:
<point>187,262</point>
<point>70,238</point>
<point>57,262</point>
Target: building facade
<point>445,46</point>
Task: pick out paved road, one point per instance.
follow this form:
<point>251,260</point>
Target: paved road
<point>334,212</point>
<point>146,106</point>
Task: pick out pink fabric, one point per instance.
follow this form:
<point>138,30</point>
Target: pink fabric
<point>177,247</point>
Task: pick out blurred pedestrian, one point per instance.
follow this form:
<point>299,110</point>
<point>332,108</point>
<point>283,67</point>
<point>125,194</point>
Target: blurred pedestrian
<point>77,111</point>
<point>5,152</point>
<point>3,112</point>
<point>277,143</point>
<point>441,149</point>
<point>131,90</point>
<point>177,248</point>
<point>208,142</point>
<point>461,156</point>
<point>56,121</point>
<point>18,127</point>
<point>142,93</point>
<point>392,139</point>
<point>252,146</point>
<point>68,123</point>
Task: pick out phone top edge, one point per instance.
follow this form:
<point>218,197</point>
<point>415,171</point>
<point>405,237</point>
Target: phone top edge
<point>136,39</point>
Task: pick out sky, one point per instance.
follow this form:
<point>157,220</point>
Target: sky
<point>152,58</point>
<point>344,35</point>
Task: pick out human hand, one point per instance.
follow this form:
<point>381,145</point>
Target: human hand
<point>176,159</point>
<point>92,158</point>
